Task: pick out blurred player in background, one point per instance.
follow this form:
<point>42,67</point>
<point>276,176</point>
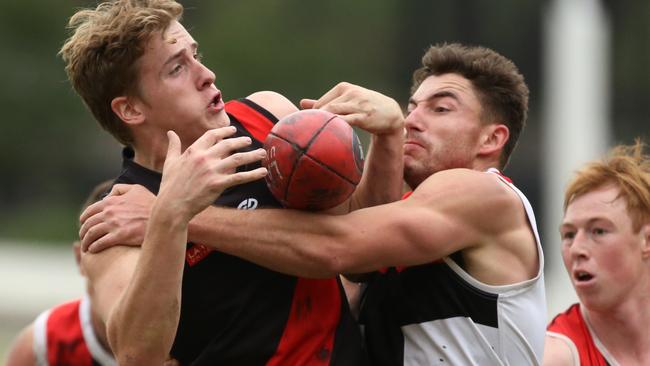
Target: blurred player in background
<point>68,334</point>
<point>465,284</point>
<point>606,250</point>
<point>139,72</point>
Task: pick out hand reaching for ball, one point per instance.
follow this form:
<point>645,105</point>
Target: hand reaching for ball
<point>361,107</point>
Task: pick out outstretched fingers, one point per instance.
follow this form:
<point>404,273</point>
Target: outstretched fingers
<point>213,137</point>
<point>336,92</point>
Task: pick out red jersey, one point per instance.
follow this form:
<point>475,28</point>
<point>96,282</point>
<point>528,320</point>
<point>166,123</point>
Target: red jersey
<point>64,335</point>
<point>572,327</point>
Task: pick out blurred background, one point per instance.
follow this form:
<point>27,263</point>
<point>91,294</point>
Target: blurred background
<point>585,62</point>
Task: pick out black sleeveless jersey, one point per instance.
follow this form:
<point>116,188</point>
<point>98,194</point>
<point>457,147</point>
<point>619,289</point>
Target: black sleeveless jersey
<point>234,312</point>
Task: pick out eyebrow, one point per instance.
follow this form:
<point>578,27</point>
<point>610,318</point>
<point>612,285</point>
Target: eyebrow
<point>194,46</point>
<point>590,221</point>
<point>437,95</point>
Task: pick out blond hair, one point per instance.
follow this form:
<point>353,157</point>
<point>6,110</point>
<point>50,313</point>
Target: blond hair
<point>628,168</point>
<point>101,54</point>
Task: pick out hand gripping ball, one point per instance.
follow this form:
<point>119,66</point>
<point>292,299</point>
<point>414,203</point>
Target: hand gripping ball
<point>314,160</point>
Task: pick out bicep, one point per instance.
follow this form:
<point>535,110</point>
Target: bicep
<point>559,351</point>
<point>402,234</point>
<point>109,273</point>
<point>449,212</point>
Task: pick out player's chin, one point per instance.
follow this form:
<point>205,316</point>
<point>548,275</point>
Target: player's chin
<point>218,120</point>
<point>409,158</point>
<point>413,150</point>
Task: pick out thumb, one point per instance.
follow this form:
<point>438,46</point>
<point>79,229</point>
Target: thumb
<point>174,146</point>
<point>307,103</point>
<point>119,189</point>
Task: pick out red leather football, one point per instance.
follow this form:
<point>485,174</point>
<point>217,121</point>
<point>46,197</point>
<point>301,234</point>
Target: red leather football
<point>314,160</point>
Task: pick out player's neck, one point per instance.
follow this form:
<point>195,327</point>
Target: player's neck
<point>624,330</point>
<point>150,151</point>
<point>482,165</point>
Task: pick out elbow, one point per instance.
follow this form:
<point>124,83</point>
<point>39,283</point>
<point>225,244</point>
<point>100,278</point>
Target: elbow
<point>129,352</point>
<point>329,253</point>
<point>137,356</point>
<point>336,257</point>
<point>333,264</point>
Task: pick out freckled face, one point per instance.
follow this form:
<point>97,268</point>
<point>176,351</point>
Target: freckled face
<point>600,250</point>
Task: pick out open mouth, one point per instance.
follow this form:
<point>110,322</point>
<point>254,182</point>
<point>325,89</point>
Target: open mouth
<point>215,101</point>
<point>582,276</point>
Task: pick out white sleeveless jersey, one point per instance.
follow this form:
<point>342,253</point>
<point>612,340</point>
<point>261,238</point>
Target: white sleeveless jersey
<point>438,314</point>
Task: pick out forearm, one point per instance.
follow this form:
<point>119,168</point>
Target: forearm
<point>288,241</point>
<point>382,181</point>
<point>142,326</point>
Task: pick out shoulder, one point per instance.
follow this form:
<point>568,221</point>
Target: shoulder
<point>21,351</point>
<point>471,188</point>
<point>559,350</point>
<point>275,103</point>
<point>567,321</point>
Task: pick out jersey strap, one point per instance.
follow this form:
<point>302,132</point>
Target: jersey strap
<point>255,119</point>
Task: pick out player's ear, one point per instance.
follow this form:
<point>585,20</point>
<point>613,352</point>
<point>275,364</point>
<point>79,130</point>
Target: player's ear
<point>76,249</point>
<point>493,139</point>
<point>128,109</point>
<point>645,249</point>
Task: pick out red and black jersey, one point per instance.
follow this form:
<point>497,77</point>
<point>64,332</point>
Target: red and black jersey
<point>234,312</point>
<point>64,336</point>
<point>573,327</point>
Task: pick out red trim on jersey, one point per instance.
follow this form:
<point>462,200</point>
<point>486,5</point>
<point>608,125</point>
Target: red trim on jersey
<point>253,121</point>
<point>196,253</point>
<point>308,337</point>
<point>504,177</point>
<point>258,125</point>
<point>571,324</point>
<point>65,340</point>
<point>407,195</point>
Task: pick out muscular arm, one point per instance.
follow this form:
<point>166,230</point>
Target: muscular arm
<point>382,176</point>
<point>434,222</point>
<point>138,294</point>
<point>142,325</point>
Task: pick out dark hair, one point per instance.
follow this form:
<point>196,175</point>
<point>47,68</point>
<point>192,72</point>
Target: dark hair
<point>500,87</point>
